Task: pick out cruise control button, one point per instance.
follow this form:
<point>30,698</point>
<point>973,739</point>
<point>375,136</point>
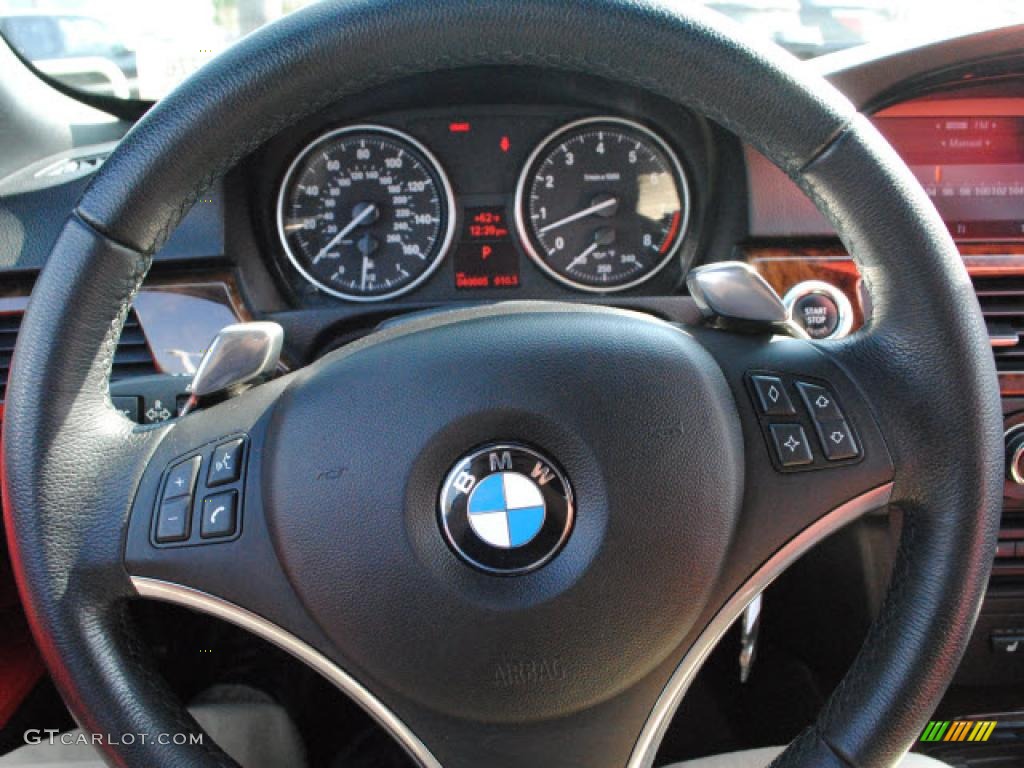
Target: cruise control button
<point>820,402</point>
<point>772,397</point>
<point>219,513</point>
<point>182,478</point>
<point>226,465</point>
<point>837,440</point>
<point>791,445</point>
<point>174,520</point>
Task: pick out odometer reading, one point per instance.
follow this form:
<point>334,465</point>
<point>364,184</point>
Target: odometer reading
<point>602,204</point>
<point>365,213</point>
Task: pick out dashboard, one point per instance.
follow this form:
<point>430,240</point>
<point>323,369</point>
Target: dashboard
<point>578,191</point>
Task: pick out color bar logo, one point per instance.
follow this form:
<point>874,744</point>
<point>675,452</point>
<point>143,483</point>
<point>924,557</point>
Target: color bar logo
<point>959,730</point>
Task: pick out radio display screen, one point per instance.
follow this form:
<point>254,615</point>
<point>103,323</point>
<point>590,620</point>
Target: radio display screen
<point>971,167</point>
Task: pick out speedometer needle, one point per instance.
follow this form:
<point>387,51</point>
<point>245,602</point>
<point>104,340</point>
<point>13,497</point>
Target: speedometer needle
<point>359,218</point>
<point>580,214</point>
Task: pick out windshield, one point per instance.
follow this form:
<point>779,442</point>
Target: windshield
<point>143,48</point>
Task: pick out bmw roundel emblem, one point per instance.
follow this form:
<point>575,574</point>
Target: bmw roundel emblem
<point>506,509</point>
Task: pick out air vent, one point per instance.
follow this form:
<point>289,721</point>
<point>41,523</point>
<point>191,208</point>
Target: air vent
<point>131,359</point>
<point>10,322</point>
<point>1002,304</point>
<point>74,166</point>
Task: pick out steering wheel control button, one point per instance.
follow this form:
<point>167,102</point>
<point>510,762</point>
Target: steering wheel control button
<point>791,445</point>
<point>820,402</point>
<point>820,413</point>
<point>772,397</point>
<point>214,496</point>
<point>837,440</point>
<point>226,465</point>
<point>506,509</point>
<point>219,517</point>
<point>181,480</point>
<point>174,520</point>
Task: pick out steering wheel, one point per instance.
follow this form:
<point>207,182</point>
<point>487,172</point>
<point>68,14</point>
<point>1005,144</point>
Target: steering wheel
<point>675,511</point>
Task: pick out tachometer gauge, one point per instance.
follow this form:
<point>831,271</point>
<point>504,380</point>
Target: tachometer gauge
<point>365,213</point>
<point>602,204</point>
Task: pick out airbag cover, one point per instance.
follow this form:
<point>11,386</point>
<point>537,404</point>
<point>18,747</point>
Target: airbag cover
<point>634,410</point>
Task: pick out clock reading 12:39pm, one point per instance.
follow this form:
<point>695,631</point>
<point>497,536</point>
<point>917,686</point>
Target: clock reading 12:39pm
<point>602,204</point>
<point>365,213</point>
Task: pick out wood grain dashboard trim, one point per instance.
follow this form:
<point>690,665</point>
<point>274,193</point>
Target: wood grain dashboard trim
<point>783,266</point>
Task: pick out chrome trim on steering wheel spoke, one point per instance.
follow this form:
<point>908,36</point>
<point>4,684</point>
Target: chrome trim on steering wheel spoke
<point>214,606</point>
<point>668,702</point>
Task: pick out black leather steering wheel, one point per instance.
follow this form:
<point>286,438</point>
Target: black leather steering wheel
<point>681,514</point>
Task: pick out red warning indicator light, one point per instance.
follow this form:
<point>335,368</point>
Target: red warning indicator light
<point>505,144</point>
<point>458,127</point>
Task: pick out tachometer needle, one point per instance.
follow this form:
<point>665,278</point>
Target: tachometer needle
<point>596,208</point>
<point>359,218</point>
<point>366,271</point>
<point>583,256</point>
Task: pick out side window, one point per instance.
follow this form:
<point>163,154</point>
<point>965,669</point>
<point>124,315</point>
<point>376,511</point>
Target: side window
<point>85,37</point>
<point>34,37</point>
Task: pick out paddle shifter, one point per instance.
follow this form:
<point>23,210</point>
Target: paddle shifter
<point>242,356</point>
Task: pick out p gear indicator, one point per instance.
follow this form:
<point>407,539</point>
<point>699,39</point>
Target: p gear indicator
<point>485,257</point>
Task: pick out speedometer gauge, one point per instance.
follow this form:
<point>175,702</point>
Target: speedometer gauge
<point>365,213</point>
<point>602,204</point>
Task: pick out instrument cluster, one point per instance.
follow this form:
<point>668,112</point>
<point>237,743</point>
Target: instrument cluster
<point>489,203</point>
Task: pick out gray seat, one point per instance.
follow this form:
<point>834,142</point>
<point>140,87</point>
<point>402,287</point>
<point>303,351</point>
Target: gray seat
<point>759,758</point>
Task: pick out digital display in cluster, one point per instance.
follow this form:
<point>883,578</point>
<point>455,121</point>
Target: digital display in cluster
<point>485,256</point>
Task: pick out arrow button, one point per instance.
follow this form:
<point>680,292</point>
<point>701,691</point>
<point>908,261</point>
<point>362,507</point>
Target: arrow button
<point>791,446</point>
<point>771,396</point>
<point>819,401</point>
<point>837,440</point>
